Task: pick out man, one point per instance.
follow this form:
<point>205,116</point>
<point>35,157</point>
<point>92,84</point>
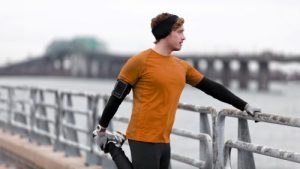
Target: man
<point>157,79</point>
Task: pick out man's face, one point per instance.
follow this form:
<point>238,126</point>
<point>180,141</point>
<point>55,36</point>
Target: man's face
<point>175,39</point>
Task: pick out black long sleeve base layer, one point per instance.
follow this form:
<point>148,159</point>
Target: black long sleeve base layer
<point>119,93</point>
<point>219,92</point>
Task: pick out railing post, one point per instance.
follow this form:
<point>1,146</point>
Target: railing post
<point>218,123</point>
<point>10,107</point>
<point>19,116</point>
<point>33,93</point>
<point>204,124</point>
<point>58,145</point>
<point>24,119</point>
<point>227,156</point>
<point>40,124</point>
<point>214,142</point>
<point>92,104</point>
<point>204,128</point>
<point>70,134</point>
<point>245,158</point>
<point>3,122</point>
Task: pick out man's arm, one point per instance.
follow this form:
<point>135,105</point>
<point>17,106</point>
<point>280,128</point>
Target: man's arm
<point>121,89</point>
<point>221,93</point>
<point>119,92</point>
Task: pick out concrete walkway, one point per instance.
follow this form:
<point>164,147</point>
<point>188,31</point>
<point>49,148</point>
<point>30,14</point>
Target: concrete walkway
<point>38,156</point>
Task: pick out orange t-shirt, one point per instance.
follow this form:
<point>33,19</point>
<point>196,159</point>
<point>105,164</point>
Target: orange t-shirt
<point>157,82</point>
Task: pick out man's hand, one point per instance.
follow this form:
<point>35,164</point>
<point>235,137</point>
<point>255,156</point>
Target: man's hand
<point>252,111</point>
<point>100,137</point>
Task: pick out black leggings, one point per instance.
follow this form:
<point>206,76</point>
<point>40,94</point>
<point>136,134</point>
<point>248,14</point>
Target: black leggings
<point>144,155</point>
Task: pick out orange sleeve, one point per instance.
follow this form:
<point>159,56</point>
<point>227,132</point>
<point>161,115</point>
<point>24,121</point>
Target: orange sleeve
<point>193,76</point>
<point>130,72</point>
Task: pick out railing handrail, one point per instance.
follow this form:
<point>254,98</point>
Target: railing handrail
<point>262,117</point>
<point>61,123</point>
<point>260,149</point>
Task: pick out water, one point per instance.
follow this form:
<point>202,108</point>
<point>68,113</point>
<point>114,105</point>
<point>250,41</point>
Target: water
<point>282,99</point>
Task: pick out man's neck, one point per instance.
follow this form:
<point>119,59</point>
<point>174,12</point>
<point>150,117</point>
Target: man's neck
<point>162,49</point>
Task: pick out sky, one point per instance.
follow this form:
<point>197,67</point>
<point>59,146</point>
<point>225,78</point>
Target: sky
<point>211,26</point>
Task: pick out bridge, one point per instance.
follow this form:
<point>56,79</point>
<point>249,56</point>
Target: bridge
<point>105,65</point>
<point>49,128</point>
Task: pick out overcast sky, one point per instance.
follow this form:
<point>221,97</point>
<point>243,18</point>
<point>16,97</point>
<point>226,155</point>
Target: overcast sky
<point>211,26</point>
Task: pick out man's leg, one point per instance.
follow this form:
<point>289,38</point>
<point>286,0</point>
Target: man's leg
<point>113,144</point>
<point>119,157</point>
<point>149,155</point>
<point>165,156</point>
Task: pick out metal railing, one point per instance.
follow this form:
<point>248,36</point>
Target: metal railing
<point>222,150</point>
<point>49,116</point>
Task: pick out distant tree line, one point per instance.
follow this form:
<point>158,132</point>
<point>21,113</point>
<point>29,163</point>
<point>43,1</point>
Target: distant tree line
<point>81,44</point>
